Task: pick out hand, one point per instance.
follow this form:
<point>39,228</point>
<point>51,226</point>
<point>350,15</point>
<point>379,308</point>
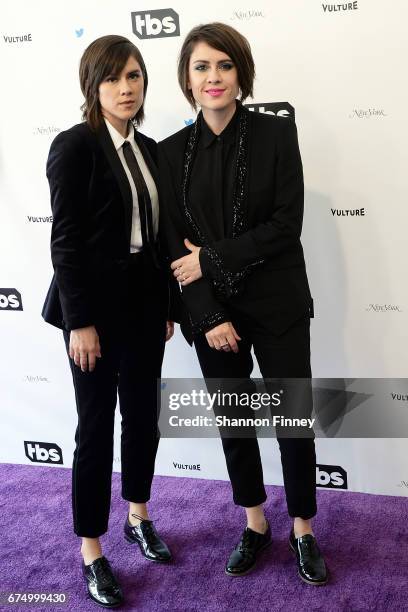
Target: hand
<point>84,347</point>
<point>169,330</point>
<point>223,338</point>
<point>187,269</point>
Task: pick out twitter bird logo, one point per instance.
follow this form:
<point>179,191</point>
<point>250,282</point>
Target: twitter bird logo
<point>188,121</point>
<point>79,32</point>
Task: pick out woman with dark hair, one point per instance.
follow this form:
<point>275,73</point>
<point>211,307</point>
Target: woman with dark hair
<point>232,195</point>
<point>109,295</point>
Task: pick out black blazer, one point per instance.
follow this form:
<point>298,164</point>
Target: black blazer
<point>266,260</point>
<point>92,206</point>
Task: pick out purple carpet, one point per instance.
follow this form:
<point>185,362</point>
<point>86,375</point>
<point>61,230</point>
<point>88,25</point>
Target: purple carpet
<point>364,539</point>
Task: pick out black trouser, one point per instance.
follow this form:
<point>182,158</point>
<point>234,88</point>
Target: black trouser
<point>284,356</point>
<point>132,348</point>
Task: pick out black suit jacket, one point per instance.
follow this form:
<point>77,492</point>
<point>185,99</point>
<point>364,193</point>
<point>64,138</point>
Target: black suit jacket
<point>274,293</point>
<point>92,206</point>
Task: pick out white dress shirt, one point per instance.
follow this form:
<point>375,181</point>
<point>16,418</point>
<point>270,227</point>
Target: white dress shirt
<point>136,242</point>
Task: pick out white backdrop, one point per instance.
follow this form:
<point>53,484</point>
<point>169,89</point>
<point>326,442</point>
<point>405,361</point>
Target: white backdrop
<point>341,67</point>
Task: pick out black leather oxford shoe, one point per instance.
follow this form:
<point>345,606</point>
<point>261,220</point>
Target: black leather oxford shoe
<point>102,584</point>
<point>311,565</point>
<point>243,557</point>
<point>150,543</point>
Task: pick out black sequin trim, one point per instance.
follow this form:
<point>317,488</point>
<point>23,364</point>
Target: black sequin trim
<point>211,320</point>
<point>189,156</point>
<point>226,283</point>
<point>241,171</point>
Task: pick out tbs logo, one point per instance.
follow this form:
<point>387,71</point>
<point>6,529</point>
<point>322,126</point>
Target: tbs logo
<point>331,477</point>
<point>10,299</point>
<point>43,452</point>
<point>282,109</point>
<point>156,24</point>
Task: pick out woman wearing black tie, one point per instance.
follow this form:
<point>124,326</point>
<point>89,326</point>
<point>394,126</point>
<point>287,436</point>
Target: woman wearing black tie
<point>232,195</point>
<point>109,294</point>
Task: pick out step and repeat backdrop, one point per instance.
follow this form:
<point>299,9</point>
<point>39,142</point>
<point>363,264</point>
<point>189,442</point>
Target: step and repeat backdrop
<point>337,69</point>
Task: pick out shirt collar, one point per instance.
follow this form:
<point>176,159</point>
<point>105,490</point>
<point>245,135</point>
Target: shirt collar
<point>228,134</point>
<point>117,138</point>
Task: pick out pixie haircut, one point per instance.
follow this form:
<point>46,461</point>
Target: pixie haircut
<point>106,56</point>
<point>222,37</point>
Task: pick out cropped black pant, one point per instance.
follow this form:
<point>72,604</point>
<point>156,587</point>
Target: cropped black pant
<point>132,348</point>
<point>285,356</point>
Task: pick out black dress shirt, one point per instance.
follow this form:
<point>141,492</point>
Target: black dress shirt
<point>211,187</point>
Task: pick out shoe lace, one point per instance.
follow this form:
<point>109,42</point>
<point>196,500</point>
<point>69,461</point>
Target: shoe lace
<point>148,529</point>
<point>308,549</point>
<point>104,573</point>
<point>245,544</point>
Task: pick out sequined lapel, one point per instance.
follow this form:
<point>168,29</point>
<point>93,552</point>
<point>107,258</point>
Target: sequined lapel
<point>240,181</point>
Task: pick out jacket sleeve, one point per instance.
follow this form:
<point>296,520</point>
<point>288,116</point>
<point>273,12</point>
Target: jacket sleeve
<point>68,172</point>
<point>174,309</point>
<point>205,312</point>
<point>227,261</point>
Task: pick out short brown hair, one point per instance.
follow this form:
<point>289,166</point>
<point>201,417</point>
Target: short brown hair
<point>222,37</point>
<point>104,56</point>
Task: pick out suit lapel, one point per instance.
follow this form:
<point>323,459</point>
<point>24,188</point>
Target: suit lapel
<point>112,156</point>
<point>247,150</point>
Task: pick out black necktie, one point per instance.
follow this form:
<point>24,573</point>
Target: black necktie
<point>144,202</point>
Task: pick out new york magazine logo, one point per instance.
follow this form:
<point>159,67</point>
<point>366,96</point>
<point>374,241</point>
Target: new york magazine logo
<point>161,23</point>
<point>10,299</point>
<point>43,452</point>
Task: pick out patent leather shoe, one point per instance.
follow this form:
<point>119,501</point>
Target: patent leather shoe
<point>151,545</point>
<point>102,585</point>
<point>310,563</point>
<point>243,558</point>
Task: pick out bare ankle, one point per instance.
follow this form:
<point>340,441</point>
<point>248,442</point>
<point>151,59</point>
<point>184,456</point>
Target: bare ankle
<point>302,527</point>
<point>137,513</point>
<point>260,526</point>
<point>256,519</point>
<point>91,550</point>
